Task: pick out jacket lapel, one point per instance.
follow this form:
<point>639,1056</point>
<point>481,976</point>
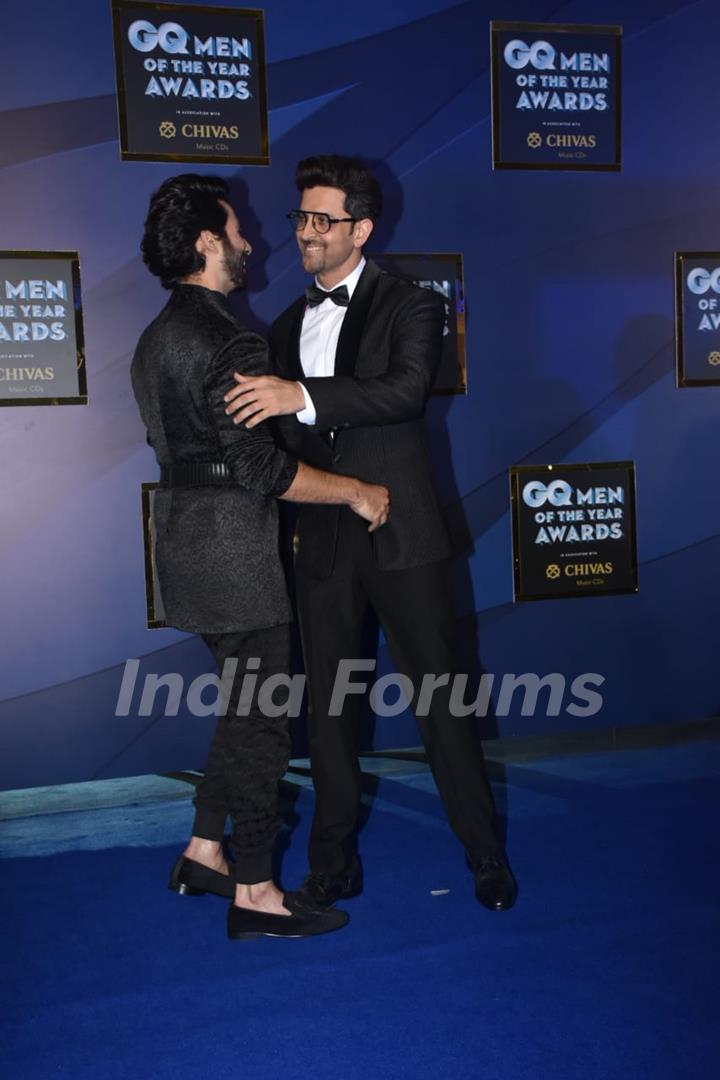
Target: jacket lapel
<point>354,322</point>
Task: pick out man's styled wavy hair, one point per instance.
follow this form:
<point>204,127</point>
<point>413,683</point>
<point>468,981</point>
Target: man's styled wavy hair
<point>363,194</point>
<point>179,211</point>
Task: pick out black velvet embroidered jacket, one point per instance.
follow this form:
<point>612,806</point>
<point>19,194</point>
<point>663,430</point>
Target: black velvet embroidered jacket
<point>216,546</point>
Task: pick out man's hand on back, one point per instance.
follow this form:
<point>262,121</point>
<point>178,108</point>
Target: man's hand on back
<point>372,503</point>
<point>258,397</point>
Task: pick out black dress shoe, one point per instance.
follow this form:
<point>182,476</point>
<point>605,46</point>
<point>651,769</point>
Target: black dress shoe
<point>495,886</point>
<point>246,925</point>
<point>190,878</point>
<point>320,891</point>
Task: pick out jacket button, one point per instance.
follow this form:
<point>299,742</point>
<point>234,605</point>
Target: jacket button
<point>336,458</point>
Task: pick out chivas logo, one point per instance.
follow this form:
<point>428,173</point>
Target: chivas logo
<point>26,374</point>
<point>210,131</point>
<point>534,140</point>
<point>572,141</point>
<point>714,358</point>
<point>167,129</point>
<point>552,572</point>
<point>588,569</point>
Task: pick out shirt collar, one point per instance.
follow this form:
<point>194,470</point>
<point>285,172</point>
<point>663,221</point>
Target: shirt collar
<point>349,282</point>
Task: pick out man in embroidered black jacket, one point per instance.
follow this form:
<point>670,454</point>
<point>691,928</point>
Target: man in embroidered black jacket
<point>217,538</point>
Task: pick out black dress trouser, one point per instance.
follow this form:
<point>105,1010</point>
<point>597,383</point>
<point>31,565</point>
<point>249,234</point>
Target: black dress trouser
<point>248,756</point>
<point>414,608</point>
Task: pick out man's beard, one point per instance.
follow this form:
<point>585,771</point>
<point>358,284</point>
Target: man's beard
<point>313,262</point>
<point>235,264</point>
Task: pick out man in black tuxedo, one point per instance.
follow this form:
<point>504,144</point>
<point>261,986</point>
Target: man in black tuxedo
<point>357,358</point>
<point>217,548</point>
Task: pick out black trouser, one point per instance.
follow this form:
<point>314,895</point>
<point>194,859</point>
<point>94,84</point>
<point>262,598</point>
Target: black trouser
<point>248,756</point>
<point>414,608</point>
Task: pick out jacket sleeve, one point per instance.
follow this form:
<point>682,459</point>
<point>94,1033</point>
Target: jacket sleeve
<point>400,393</point>
<point>252,455</point>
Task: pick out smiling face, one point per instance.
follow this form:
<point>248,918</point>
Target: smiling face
<point>331,256</point>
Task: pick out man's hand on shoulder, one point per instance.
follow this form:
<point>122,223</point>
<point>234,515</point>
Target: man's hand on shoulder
<point>258,397</point>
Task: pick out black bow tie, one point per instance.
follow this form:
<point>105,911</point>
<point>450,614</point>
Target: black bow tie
<point>315,296</point>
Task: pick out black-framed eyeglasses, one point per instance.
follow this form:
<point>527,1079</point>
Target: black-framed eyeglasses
<point>321,223</point>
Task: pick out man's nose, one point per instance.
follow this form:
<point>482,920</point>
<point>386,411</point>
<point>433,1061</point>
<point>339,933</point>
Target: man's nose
<point>309,232</point>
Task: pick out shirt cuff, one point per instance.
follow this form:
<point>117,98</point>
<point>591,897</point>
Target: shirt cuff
<point>308,414</point>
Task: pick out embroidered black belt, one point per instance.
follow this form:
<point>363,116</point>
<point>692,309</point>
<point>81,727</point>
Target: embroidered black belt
<point>196,475</point>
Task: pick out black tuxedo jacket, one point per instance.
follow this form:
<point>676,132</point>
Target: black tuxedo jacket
<point>217,546</point>
<point>369,420</point>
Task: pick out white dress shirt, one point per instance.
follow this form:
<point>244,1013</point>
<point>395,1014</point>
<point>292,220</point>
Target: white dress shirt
<point>319,337</point>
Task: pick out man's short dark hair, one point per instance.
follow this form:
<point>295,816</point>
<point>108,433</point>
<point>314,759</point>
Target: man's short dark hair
<point>363,194</point>
<point>181,208</point>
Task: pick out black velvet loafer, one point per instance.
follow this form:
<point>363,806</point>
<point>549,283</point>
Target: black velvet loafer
<point>246,925</point>
<point>320,891</point>
<point>190,878</point>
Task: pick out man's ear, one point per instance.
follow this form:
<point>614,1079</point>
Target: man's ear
<point>361,232</point>
<point>207,242</point>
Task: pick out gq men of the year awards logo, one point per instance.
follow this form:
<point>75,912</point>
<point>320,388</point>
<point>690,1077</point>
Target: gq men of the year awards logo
<point>697,318</point>
<point>556,96</point>
<point>573,530</point>
<point>42,359</point>
<point>191,83</point>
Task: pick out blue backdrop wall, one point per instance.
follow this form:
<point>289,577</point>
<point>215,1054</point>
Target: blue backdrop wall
<point>570,348</point>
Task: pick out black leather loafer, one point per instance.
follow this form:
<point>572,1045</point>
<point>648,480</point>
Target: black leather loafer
<point>246,925</point>
<point>495,886</point>
<point>320,891</point>
<point>190,878</point>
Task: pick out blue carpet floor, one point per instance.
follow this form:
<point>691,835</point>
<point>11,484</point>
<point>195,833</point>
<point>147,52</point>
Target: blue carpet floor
<point>606,969</point>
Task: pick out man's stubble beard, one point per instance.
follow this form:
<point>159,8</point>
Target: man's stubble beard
<point>235,265</point>
<point>313,262</point>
